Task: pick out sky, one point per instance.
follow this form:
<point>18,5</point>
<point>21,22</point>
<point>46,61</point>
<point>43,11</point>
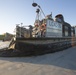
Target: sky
<point>13,12</point>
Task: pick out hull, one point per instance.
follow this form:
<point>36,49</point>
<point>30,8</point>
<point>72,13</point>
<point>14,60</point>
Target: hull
<point>38,46</point>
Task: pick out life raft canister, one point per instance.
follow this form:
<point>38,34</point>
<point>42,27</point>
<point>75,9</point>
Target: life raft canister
<point>36,24</point>
<point>43,27</point>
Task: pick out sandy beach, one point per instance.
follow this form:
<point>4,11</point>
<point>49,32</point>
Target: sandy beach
<point>59,63</point>
<point>4,44</point>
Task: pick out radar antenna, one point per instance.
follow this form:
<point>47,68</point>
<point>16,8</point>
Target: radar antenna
<point>35,5</point>
<point>38,11</point>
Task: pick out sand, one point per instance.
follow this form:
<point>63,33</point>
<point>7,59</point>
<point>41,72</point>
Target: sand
<point>4,44</point>
<point>59,63</point>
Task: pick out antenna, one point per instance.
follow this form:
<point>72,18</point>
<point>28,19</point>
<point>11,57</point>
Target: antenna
<point>35,5</point>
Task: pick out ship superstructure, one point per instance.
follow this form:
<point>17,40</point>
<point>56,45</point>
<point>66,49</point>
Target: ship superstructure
<point>47,28</point>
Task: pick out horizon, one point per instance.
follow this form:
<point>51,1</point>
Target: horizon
<point>20,11</point>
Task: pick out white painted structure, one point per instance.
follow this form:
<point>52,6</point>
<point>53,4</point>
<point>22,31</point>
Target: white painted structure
<point>53,29</point>
<point>66,31</point>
